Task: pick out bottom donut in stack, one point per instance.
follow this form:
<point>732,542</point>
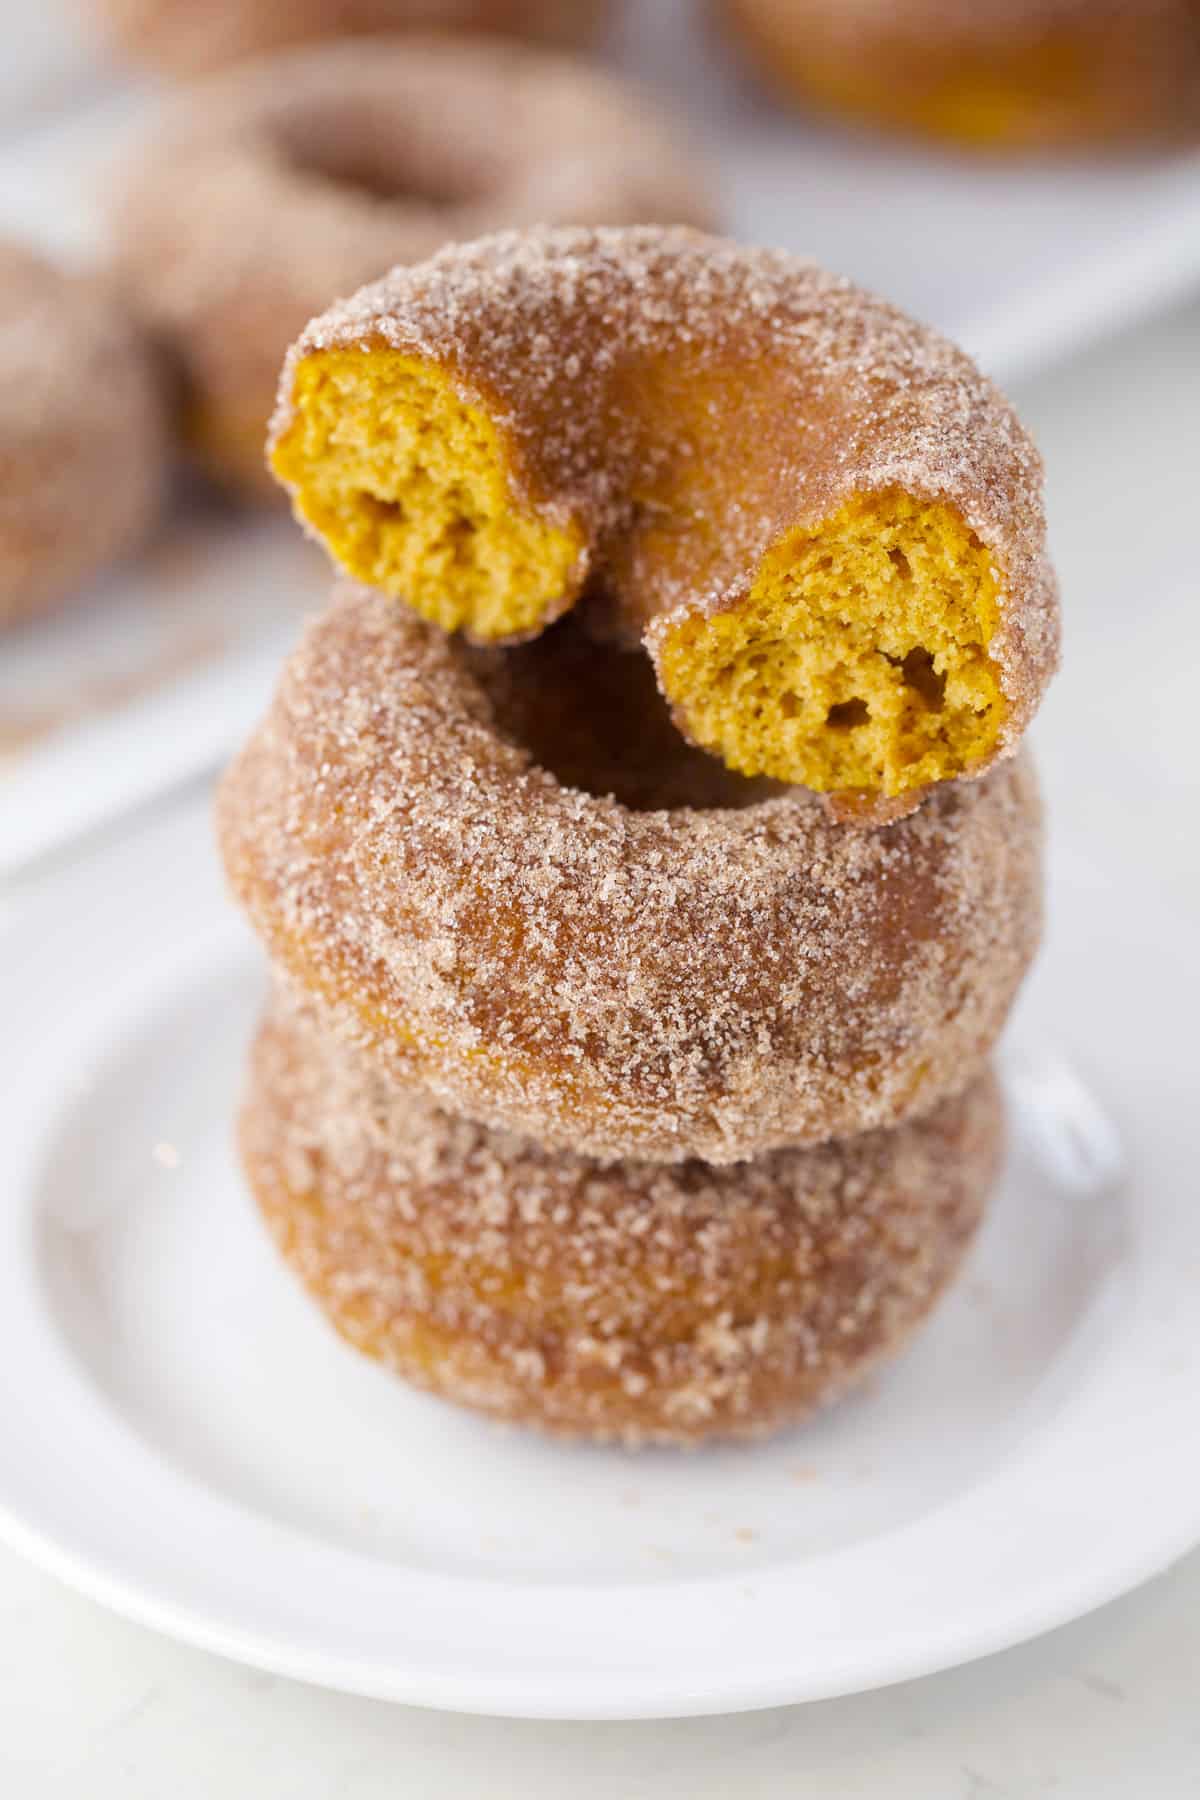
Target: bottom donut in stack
<point>626,1301</point>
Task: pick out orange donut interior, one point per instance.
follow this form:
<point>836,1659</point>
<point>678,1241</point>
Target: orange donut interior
<point>408,486</point>
<point>856,658</point>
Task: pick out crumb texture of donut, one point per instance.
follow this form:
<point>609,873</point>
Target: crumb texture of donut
<point>858,660</point>
<point>409,487</point>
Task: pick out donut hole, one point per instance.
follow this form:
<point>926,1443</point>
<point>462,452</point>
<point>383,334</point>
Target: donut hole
<point>410,488</point>
<point>379,143</point>
<point>364,165</point>
<point>591,715</point>
<point>859,659</point>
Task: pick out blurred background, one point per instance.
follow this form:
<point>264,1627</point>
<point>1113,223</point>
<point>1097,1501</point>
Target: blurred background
<point>1007,207</point>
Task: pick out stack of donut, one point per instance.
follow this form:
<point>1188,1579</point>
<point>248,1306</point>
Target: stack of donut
<point>642,839</point>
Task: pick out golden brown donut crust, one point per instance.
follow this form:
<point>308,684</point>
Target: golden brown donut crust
<point>184,38</point>
<point>990,74</point>
<point>651,984</point>
<point>82,433</point>
<point>277,186</point>
<point>624,1301</point>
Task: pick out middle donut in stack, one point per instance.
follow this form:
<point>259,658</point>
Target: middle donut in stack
<point>662,982</point>
<point>500,886</point>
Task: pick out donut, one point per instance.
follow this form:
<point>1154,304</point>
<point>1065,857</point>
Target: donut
<point>82,441</point>
<point>183,39</point>
<point>619,1301</point>
<point>559,956</point>
<point>279,185</point>
<point>823,523</point>
<point>988,74</point>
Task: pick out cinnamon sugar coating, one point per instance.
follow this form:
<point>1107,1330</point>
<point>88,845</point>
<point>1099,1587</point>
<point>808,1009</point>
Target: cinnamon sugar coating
<point>280,185</point>
<point>82,438</point>
<point>690,421</point>
<point>659,984</point>
<point>184,38</point>
<point>626,1301</point>
<point>990,74</point>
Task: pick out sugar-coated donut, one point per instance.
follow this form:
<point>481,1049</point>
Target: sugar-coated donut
<point>616,1301</point>
<point>992,74</point>
<point>280,185</point>
<point>825,523</point>
<point>184,38</point>
<point>617,982</point>
<point>82,433</point>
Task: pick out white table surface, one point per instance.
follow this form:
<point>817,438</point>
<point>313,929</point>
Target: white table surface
<point>1108,1707</point>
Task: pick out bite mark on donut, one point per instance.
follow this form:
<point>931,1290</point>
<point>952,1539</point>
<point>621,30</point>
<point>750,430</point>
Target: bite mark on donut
<point>411,489</point>
<point>858,658</point>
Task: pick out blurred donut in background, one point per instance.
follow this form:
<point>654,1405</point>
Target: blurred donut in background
<point>82,433</point>
<point>298,178</point>
<point>985,74</point>
<point>182,37</point>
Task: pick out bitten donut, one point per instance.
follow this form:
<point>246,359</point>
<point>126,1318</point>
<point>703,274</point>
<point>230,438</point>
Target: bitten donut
<point>82,441</point>
<point>823,521</point>
<point>712,981</point>
<point>298,178</point>
<point>993,74</point>
<point>183,38</point>
<point>622,1301</point>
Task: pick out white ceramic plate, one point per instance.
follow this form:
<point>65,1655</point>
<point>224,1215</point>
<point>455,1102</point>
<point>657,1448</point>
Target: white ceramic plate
<point>1023,262</point>
<point>182,1436</point>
